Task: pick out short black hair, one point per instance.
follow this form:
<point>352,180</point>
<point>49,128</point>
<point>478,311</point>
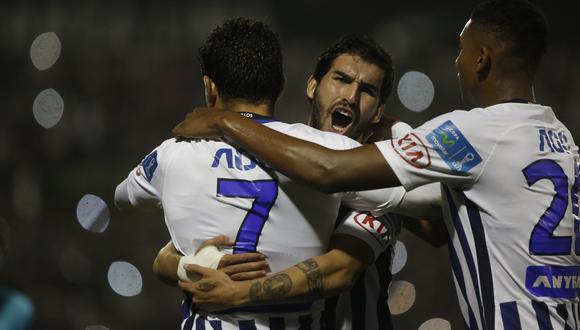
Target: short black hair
<point>364,47</point>
<point>244,59</point>
<point>519,24</point>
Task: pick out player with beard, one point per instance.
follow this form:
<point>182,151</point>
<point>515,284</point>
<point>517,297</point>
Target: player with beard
<point>347,91</point>
<point>508,168</point>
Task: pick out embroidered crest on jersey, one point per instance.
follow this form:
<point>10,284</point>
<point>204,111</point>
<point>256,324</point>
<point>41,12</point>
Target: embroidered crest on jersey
<point>412,150</point>
<point>453,147</point>
<point>375,227</point>
<point>149,165</point>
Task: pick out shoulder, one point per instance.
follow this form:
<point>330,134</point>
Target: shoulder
<point>305,132</point>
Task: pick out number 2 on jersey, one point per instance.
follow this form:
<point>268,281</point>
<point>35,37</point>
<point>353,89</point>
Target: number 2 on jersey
<point>264,194</point>
<point>542,240</point>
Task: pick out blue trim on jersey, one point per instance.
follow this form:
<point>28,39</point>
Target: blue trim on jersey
<point>542,315</point>
<point>466,251</point>
<point>277,323</point>
<point>247,325</point>
<point>270,309</point>
<point>562,310</point>
<point>483,263</point>
<point>264,121</point>
<point>200,323</point>
<point>216,324</point>
<point>460,281</point>
<point>510,316</point>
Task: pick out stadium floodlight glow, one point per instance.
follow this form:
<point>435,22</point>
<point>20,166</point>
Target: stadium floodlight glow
<point>401,297</point>
<point>48,107</point>
<point>435,324</point>
<point>415,91</point>
<point>93,213</point>
<point>125,279</point>
<point>45,50</point>
<point>399,257</point>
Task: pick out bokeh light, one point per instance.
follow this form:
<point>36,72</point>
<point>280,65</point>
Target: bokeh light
<point>48,107</point>
<point>401,297</point>
<point>416,91</point>
<point>435,324</point>
<point>125,279</point>
<point>93,213</point>
<point>399,257</point>
<point>45,50</point>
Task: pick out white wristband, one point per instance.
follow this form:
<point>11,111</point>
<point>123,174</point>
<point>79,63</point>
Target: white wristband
<point>208,257</point>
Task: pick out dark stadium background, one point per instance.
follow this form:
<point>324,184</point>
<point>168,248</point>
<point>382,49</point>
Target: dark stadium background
<point>128,73</point>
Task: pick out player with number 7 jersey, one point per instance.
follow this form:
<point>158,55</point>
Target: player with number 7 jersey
<point>209,188</point>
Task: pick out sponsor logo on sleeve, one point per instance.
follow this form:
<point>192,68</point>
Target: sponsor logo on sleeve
<point>149,165</point>
<point>376,228</point>
<point>453,148</point>
<point>412,150</point>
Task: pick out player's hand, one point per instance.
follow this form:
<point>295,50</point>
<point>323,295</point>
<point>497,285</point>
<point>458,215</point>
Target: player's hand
<point>239,267</point>
<point>214,291</point>
<point>200,123</point>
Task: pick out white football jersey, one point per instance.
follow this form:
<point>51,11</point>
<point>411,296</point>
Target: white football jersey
<point>510,190</point>
<point>209,188</point>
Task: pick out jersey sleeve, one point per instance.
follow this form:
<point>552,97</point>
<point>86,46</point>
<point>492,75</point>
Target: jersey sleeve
<point>144,182</point>
<point>377,232</point>
<point>450,149</point>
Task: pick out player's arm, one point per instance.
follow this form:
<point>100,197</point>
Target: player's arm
<point>166,263</point>
<point>324,275</point>
<point>239,267</point>
<point>328,170</point>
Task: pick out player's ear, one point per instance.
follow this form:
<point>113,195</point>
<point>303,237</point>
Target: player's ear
<point>211,91</point>
<point>379,113</point>
<point>483,65</point>
<point>311,87</point>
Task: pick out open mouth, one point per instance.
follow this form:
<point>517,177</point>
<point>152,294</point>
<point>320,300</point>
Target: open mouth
<point>342,119</point>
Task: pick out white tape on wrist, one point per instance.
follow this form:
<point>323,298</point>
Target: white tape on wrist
<point>208,257</point>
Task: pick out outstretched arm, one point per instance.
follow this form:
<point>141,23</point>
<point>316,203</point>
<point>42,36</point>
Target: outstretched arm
<point>328,170</point>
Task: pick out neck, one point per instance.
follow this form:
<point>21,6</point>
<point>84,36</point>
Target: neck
<point>264,109</point>
<point>501,90</point>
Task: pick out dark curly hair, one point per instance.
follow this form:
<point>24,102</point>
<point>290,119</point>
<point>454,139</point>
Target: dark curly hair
<point>244,59</point>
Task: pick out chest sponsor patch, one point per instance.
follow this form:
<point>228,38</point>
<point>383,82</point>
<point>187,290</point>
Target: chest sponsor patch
<point>412,150</point>
<point>149,165</point>
<point>453,147</point>
<point>553,281</point>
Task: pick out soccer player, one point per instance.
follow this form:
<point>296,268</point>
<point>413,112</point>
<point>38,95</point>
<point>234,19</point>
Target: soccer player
<point>508,168</point>
<point>208,188</point>
<point>347,91</point>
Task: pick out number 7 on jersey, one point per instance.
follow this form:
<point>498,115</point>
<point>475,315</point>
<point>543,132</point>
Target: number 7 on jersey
<point>264,194</point>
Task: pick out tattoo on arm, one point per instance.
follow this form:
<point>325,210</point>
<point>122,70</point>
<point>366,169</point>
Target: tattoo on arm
<point>274,287</point>
<point>313,275</point>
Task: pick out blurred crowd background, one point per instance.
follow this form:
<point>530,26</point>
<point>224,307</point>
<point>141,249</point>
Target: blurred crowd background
<point>124,73</point>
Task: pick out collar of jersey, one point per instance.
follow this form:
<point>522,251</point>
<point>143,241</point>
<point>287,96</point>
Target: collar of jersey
<point>257,117</point>
<point>518,101</point>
